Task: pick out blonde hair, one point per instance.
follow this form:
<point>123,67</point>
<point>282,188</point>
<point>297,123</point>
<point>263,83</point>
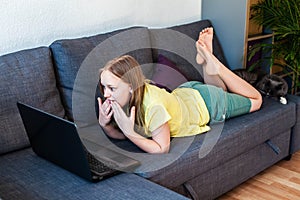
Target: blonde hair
<point>129,70</point>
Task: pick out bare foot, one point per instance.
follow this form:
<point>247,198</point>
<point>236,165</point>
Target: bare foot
<point>205,36</point>
<point>210,62</point>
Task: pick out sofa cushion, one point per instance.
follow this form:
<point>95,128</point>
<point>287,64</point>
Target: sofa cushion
<point>221,144</point>
<point>167,74</point>
<point>177,43</point>
<point>71,54</point>
<point>23,175</point>
<point>25,76</point>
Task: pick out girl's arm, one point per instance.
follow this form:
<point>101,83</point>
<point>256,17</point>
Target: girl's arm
<point>113,132</point>
<point>160,142</point>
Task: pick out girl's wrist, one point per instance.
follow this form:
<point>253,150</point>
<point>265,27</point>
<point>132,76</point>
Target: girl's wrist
<point>132,135</point>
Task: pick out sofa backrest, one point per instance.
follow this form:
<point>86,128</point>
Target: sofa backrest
<point>175,47</point>
<point>71,54</point>
<point>26,76</point>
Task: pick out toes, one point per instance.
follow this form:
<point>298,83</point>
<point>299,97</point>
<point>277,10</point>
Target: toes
<point>203,31</point>
<point>206,30</point>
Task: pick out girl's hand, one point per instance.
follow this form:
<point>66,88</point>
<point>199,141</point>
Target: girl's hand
<point>105,112</point>
<point>160,142</point>
<point>125,123</point>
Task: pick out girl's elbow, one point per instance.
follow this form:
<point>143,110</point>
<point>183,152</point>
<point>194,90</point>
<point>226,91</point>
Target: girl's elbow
<point>162,150</point>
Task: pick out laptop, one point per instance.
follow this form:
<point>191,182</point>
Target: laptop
<point>57,140</point>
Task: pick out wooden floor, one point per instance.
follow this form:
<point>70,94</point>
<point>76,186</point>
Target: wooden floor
<point>279,182</point>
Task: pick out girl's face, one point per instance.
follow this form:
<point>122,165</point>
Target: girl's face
<point>115,89</point>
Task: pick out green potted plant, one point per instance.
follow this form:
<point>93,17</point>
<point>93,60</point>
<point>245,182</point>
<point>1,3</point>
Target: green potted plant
<point>282,17</point>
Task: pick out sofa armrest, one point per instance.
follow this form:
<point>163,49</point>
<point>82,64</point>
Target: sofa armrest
<point>295,135</point>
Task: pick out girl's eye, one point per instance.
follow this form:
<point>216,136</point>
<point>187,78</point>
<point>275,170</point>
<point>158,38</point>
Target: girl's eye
<point>109,88</point>
<point>112,89</point>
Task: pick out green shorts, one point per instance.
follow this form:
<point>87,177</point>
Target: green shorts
<point>221,105</point>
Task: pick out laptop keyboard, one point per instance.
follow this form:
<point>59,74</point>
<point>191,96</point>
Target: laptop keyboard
<point>98,166</point>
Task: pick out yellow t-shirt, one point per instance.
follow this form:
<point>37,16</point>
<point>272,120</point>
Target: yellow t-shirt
<point>184,109</point>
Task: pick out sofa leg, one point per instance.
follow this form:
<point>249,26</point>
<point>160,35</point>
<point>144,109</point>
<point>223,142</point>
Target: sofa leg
<point>289,157</point>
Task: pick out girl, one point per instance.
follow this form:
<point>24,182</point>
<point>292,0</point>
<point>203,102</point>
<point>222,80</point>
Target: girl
<point>186,111</point>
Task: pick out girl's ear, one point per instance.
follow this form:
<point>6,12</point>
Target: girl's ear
<point>130,90</point>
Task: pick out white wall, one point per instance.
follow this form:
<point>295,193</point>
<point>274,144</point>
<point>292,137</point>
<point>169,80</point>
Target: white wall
<point>32,23</point>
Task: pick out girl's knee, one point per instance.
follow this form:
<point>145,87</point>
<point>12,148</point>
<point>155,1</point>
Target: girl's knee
<point>256,103</point>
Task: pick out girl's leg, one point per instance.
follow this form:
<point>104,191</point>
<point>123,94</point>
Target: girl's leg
<point>206,36</point>
<point>219,73</point>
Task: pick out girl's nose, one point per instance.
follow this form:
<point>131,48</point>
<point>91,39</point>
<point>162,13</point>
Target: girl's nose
<point>106,93</point>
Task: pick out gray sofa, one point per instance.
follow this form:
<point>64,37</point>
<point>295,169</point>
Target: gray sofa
<point>205,166</point>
